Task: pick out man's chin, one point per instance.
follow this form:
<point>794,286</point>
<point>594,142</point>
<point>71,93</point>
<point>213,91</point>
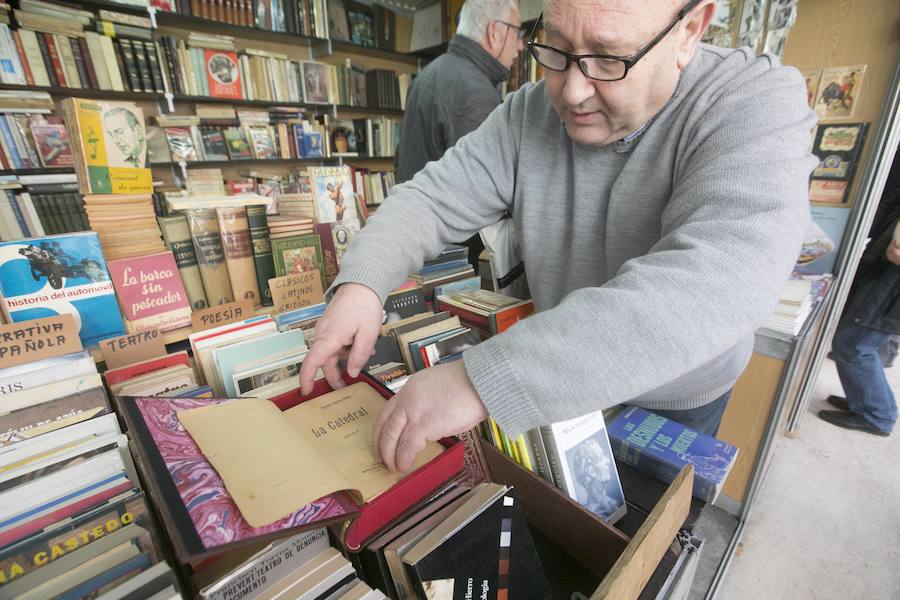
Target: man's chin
<point>589,135</point>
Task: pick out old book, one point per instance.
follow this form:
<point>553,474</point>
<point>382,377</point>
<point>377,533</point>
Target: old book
<point>298,254</point>
<point>581,464</point>
<point>499,559</point>
<point>181,144</point>
<point>204,227</point>
<point>238,144</point>
<point>661,447</point>
<point>269,452</point>
<point>177,235</point>
<point>151,293</point>
<point>329,254</point>
<point>112,63</point>
<point>53,146</point>
<point>223,74</point>
<point>52,415</point>
<point>262,251</point>
<point>59,71</point>
<point>215,148</point>
<point>838,148</point>
<point>57,274</point>
<point>67,58</point>
<point>109,143</point>
<point>35,59</point>
<point>238,253</point>
<point>97,58</point>
<point>333,193</point>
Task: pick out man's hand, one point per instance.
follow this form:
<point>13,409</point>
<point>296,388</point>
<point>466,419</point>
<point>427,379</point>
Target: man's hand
<point>434,403</point>
<point>351,323</point>
<point>893,254</point>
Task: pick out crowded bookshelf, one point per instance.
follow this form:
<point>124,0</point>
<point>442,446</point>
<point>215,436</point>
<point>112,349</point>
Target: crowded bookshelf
<point>179,183</point>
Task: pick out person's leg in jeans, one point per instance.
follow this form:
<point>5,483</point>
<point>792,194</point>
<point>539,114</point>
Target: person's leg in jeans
<point>704,419</point>
<point>861,371</point>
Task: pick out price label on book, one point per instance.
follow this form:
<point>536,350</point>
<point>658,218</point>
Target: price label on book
<point>134,348</point>
<point>222,315</point>
<point>297,290</point>
<point>28,341</point>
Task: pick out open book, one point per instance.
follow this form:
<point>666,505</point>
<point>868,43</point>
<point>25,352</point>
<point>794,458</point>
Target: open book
<point>274,462</point>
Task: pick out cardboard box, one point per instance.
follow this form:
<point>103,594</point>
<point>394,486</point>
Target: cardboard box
<point>579,552</point>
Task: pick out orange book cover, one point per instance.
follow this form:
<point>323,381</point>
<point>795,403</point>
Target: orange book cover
<point>223,74</point>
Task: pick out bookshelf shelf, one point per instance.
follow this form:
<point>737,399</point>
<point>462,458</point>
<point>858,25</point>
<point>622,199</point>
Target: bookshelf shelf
<point>207,164</point>
<point>41,171</point>
<point>83,92</point>
<point>258,103</point>
<point>348,48</point>
<point>369,109</point>
<point>199,24</point>
<point>432,52</point>
<point>113,6</point>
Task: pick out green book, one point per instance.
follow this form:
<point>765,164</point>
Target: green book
<point>177,234</point>
<point>298,254</point>
<point>262,250</point>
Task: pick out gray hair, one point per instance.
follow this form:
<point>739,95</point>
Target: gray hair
<point>476,15</point>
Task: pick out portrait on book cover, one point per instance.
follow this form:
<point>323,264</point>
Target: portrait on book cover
<point>338,28</point>
<point>314,78</point>
<point>596,484</point>
<point>123,134</point>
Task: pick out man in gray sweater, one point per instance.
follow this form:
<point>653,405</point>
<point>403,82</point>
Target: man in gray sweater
<point>661,199</point>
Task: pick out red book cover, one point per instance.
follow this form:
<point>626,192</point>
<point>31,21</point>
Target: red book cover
<point>125,373</point>
<point>52,141</point>
<point>150,292</point>
<point>223,74</point>
<point>54,60</point>
<point>470,318</point>
<point>382,512</point>
<point>329,254</point>
<point>505,318</point>
<point>23,58</point>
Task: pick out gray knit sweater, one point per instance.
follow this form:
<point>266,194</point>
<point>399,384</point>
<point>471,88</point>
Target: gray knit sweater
<point>651,260</point>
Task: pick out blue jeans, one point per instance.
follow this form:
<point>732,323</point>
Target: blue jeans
<point>704,419</point>
<point>861,372</point>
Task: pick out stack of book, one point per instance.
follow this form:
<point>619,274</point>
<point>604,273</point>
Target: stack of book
<point>76,523</point>
<point>452,264</point>
<point>126,224</point>
<point>37,205</point>
<point>801,294</point>
<point>488,312</point>
<point>29,138</point>
<point>301,17</point>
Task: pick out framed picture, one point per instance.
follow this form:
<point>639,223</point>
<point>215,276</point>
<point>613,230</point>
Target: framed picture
<point>362,25</point>
<point>338,25</point>
<point>315,90</point>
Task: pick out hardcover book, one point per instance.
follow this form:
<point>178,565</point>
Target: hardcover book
<point>110,146</point>
<point>204,226</point>
<point>177,234</point>
<point>262,251</point>
<point>43,277</point>
<point>238,145</point>
<point>214,146</point>
<point>262,142</point>
<point>661,447</point>
<point>151,293</point>
<point>51,415</point>
<point>238,253</point>
<point>298,254</point>
<point>582,465</point>
<point>484,549</point>
<point>223,74</point>
<point>181,144</point>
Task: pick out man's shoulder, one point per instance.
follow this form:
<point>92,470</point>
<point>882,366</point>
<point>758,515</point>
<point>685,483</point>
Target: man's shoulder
<point>739,71</point>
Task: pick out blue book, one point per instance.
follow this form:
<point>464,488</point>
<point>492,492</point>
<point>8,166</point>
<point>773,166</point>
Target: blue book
<point>661,447</point>
<point>455,287</point>
<point>48,276</point>
<point>132,566</point>
<point>284,320</point>
<point>228,357</point>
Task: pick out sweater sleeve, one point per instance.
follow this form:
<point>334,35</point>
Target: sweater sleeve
<point>448,201</point>
<point>730,235</point>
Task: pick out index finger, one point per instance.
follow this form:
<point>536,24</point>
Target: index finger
<point>323,349</point>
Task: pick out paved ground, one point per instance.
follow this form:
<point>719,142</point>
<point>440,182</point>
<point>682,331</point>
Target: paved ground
<point>826,523</point>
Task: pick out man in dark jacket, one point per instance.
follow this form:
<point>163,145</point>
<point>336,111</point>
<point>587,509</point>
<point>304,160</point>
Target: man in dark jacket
<point>457,91</point>
<point>871,317</point>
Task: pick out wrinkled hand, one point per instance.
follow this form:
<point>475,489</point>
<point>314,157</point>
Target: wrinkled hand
<point>435,403</point>
<point>348,329</point>
<point>893,254</point>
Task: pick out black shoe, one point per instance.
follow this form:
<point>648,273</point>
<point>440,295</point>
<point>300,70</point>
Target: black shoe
<point>848,420</point>
<point>838,402</point>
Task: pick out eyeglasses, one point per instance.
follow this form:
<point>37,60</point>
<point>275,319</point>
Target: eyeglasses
<point>520,33</point>
<point>600,67</point>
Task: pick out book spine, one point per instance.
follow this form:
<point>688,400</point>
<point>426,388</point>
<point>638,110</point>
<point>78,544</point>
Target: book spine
<point>87,59</point>
<point>126,51</point>
<point>9,144</point>
<point>75,49</point>
<point>553,458</point>
<point>23,58</point>
<point>204,227</point>
<point>55,61</point>
<point>153,63</point>
<point>113,63</point>
<point>541,461</point>
<point>35,57</point>
<point>329,253</point>
<point>40,206</point>
<point>64,49</point>
<point>143,63</point>
<point>35,223</point>
<point>238,253</point>
<point>262,251</point>
<point>97,60</point>
<point>17,215</point>
<point>178,238</point>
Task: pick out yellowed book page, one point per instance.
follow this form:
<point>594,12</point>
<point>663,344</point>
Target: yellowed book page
<point>339,425</point>
<point>269,470</point>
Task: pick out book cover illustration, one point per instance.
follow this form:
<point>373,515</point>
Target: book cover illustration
<point>334,198</point>
<point>661,447</point>
<point>43,277</point>
<point>181,144</point>
<point>298,254</point>
<point>263,144</point>
<point>223,74</point>
<point>823,240</point>
<point>238,144</point>
<point>839,90</point>
<point>53,145</point>
<point>338,27</point>
<point>111,149</point>
<point>837,148</point>
<point>214,146</point>
<point>151,292</point>
<point>315,90</point>
<point>213,514</point>
<point>811,77</point>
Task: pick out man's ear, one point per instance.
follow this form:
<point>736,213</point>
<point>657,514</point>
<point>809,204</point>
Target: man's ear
<point>692,29</point>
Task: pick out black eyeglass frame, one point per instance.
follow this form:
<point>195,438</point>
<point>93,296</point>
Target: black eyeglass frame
<point>520,32</point>
<point>628,61</point>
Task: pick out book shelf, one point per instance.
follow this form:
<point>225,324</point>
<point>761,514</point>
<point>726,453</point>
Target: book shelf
<point>201,25</point>
<point>84,92</point>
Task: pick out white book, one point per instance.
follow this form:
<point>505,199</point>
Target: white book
<point>45,393</point>
<point>203,343</point>
<point>101,69</point>
<point>67,453</point>
<point>9,226</point>
<point>11,70</point>
<point>265,374</point>
<point>35,60</point>
<point>582,464</point>
<point>112,65</point>
<point>42,372</point>
<point>54,441</point>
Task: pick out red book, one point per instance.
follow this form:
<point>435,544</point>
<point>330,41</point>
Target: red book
<point>150,292</point>
<point>223,74</point>
<point>382,512</point>
<point>127,372</point>
<point>329,254</point>
<point>54,60</point>
<point>467,316</point>
<point>23,58</point>
<point>505,318</point>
